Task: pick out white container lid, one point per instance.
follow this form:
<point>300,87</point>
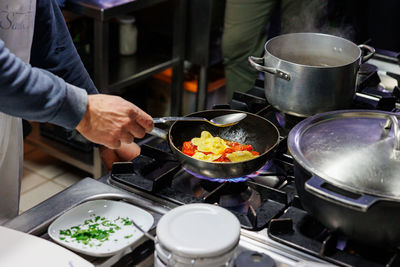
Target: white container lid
<point>198,230</point>
<point>126,19</point>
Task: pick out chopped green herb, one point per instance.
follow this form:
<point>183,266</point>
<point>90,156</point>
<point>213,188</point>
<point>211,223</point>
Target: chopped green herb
<point>95,230</point>
<point>65,232</point>
<point>126,221</point>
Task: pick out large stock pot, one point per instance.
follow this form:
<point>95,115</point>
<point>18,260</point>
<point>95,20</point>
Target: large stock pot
<point>310,73</point>
<point>347,172</point>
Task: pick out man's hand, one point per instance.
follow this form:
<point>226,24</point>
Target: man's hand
<point>125,153</point>
<point>112,121</point>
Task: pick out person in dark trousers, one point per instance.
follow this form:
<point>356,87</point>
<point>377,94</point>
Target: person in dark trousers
<point>245,34</point>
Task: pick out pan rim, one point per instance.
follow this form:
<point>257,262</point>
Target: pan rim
<point>225,163</point>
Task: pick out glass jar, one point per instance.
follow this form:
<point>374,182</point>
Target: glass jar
<point>127,35</point>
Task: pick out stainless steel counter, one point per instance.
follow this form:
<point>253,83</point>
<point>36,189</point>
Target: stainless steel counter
<point>36,221</point>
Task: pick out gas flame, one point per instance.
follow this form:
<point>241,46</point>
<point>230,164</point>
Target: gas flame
<point>232,180</point>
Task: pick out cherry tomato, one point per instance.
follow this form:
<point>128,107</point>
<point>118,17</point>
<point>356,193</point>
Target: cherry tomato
<point>228,150</point>
<point>231,144</point>
<point>248,148</point>
<point>188,148</point>
<point>223,158</point>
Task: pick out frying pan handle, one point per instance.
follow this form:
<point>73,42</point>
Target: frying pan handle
<point>370,49</point>
<point>167,119</point>
<point>159,133</point>
<point>315,185</point>
<point>256,61</point>
<point>393,122</point>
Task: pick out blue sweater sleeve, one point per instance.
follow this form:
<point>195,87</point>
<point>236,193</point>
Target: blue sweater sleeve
<point>53,49</point>
<point>37,94</point>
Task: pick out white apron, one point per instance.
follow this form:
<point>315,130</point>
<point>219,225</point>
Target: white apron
<point>17,19</point>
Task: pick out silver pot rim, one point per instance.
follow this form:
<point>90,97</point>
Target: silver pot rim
<point>267,52</point>
<point>301,146</point>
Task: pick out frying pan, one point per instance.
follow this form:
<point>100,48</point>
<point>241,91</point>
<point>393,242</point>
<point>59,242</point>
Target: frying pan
<point>253,130</point>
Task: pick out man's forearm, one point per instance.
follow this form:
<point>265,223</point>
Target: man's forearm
<point>36,94</point>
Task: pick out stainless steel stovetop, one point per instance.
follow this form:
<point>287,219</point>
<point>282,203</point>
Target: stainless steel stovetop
<point>267,206</point>
<point>36,221</point>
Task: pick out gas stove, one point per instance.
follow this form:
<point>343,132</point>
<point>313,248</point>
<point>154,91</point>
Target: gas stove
<point>273,222</point>
<point>266,202</point>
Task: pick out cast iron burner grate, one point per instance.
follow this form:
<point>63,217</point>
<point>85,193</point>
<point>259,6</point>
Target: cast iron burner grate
<point>297,229</point>
<point>269,199</point>
<point>255,201</point>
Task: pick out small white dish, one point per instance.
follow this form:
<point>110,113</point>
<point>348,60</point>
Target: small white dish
<point>111,210</point>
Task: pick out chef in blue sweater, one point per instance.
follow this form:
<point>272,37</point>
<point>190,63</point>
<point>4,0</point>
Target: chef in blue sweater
<point>43,79</point>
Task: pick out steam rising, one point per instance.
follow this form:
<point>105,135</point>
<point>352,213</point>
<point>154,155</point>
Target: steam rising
<point>311,16</point>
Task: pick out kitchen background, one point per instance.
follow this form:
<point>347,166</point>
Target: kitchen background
<point>56,159</point>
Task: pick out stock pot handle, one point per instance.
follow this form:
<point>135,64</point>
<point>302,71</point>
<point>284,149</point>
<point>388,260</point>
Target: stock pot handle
<point>361,203</point>
<point>393,121</point>
<point>256,61</point>
<point>370,49</point>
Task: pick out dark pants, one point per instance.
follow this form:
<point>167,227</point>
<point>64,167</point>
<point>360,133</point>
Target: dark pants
<point>245,34</point>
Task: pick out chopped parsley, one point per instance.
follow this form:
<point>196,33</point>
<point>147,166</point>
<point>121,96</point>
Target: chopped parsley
<point>94,231</point>
<point>126,221</point>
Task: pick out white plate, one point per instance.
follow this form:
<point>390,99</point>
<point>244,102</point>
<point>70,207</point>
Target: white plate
<point>21,249</point>
<point>111,210</point>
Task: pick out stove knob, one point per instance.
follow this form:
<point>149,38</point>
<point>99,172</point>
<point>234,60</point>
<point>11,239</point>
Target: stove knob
<point>254,259</point>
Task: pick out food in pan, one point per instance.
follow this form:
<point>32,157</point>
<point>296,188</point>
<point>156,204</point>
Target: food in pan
<point>216,149</point>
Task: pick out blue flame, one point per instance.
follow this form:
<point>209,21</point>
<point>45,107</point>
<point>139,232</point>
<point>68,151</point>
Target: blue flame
<point>232,180</point>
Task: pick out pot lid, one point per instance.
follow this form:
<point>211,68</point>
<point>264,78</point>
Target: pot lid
<point>198,230</point>
<point>355,150</point>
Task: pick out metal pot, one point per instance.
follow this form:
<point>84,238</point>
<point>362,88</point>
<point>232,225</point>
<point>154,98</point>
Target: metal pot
<point>309,73</point>
<point>347,172</point>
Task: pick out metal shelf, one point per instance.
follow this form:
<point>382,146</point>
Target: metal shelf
<point>105,10</point>
<point>111,74</point>
<point>126,70</point>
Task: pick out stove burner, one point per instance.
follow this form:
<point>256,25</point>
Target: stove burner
<point>366,69</point>
<point>287,121</point>
<point>240,202</point>
<point>232,180</point>
<point>296,228</point>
